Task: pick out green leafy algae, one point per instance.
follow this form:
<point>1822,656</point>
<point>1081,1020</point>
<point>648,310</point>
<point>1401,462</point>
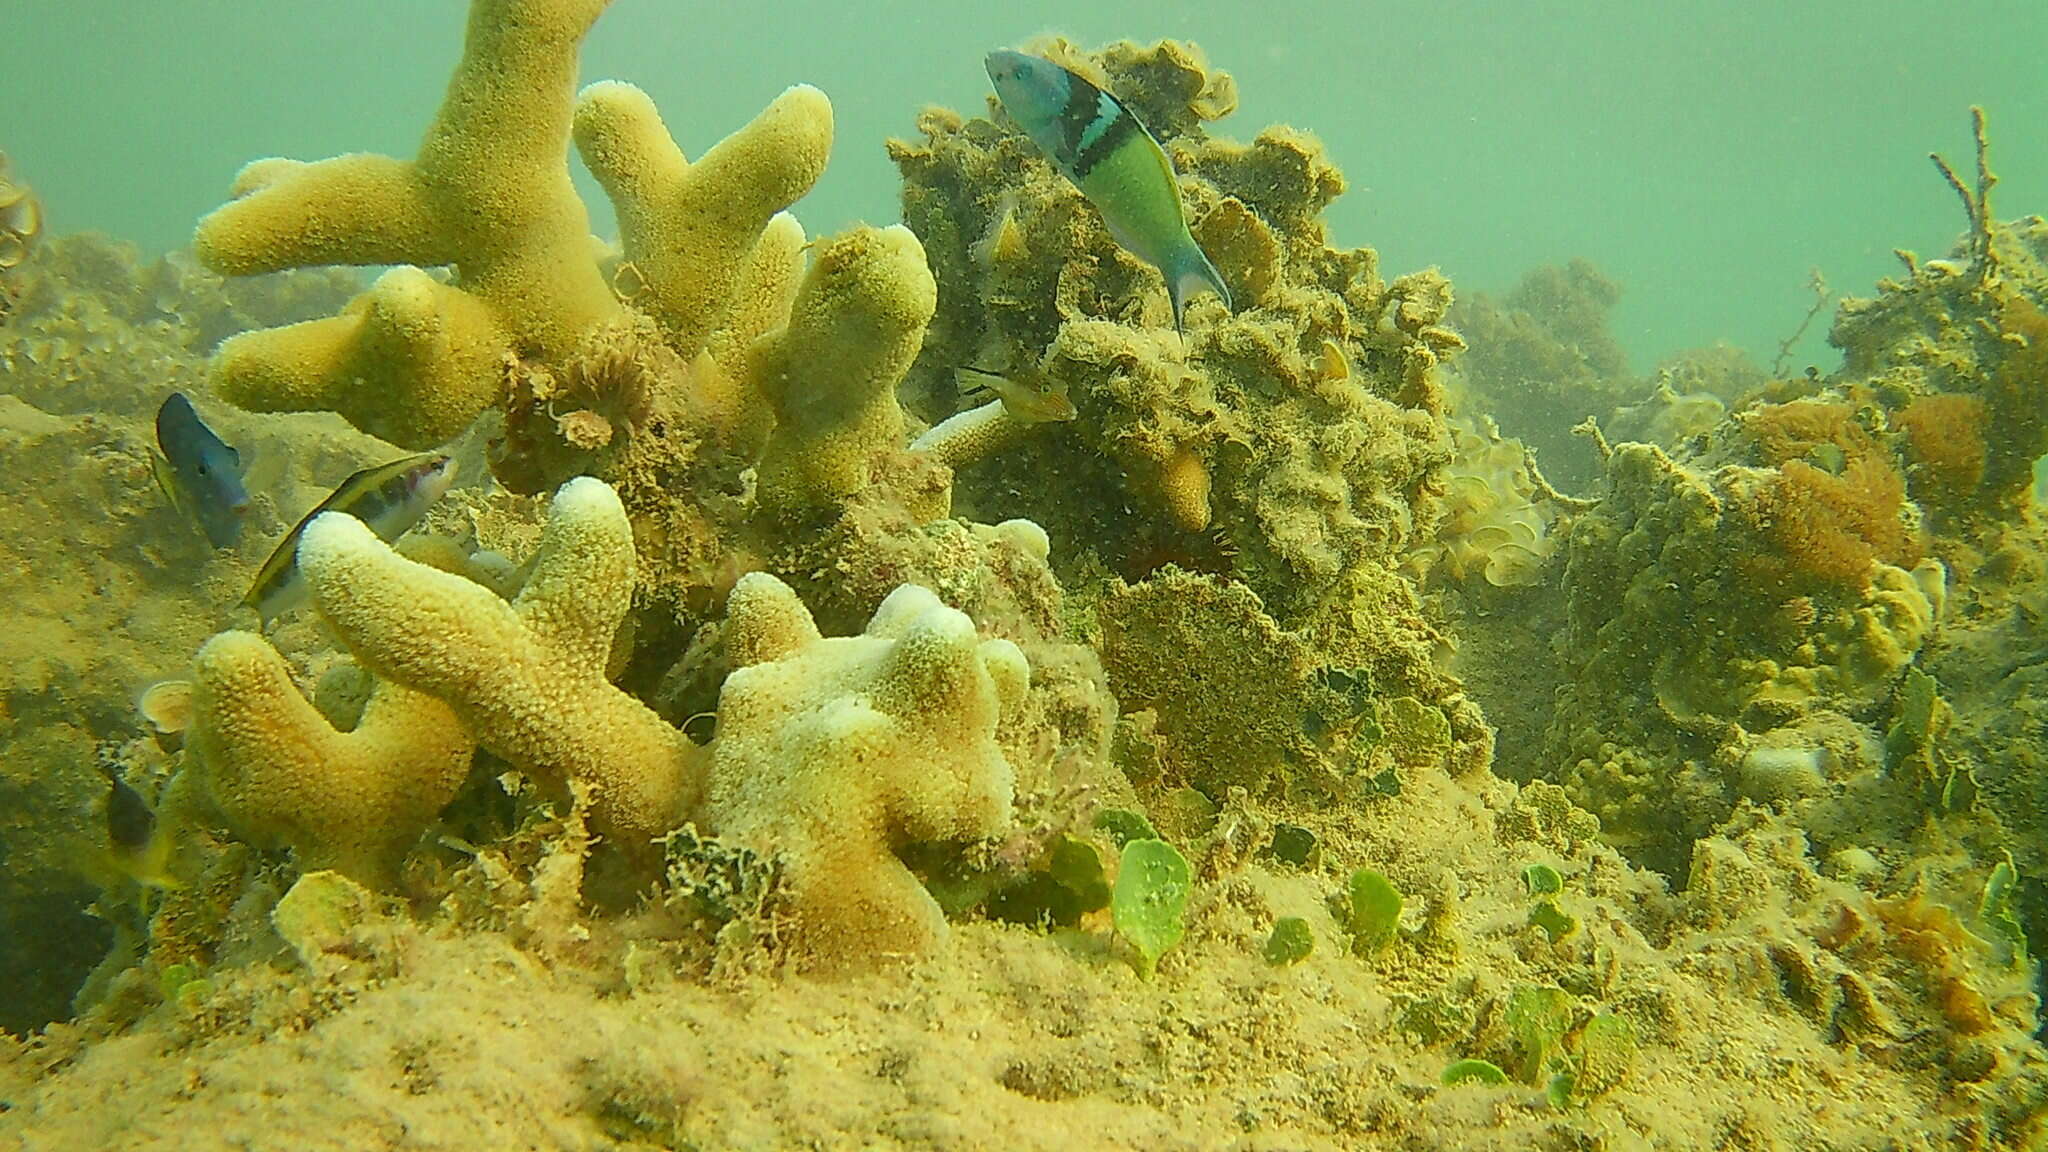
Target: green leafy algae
<point>1542,880</point>
<point>1290,943</point>
<point>1372,911</point>
<point>1537,1018</point>
<point>1124,826</point>
<point>1996,911</point>
<point>1471,1071</point>
<point>1607,1050</point>
<point>1151,895</point>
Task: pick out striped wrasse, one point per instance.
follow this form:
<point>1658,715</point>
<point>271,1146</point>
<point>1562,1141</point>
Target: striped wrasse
<point>388,498</point>
<point>1095,141</point>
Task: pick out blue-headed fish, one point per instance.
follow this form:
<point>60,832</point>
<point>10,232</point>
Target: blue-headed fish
<point>388,498</point>
<point>1095,141</point>
<point>199,474</point>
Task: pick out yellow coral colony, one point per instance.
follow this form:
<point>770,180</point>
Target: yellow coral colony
<point>413,359</point>
<point>832,752</point>
<point>280,775</point>
<point>527,677</point>
<point>830,374</point>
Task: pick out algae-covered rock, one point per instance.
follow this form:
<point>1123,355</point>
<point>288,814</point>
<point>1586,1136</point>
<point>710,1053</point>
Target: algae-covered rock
<point>1239,701</point>
<point>1291,440</point>
<point>1687,629</point>
<point>321,913</point>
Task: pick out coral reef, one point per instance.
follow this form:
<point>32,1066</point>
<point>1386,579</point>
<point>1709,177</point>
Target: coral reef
<point>1647,726</point>
<point>1791,669</point>
<point>1233,700</point>
<point>1962,342</point>
<point>414,359</point>
<point>1040,795</point>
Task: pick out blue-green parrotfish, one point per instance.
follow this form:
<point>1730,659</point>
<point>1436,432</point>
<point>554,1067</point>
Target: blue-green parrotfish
<point>1099,145</point>
<point>199,474</point>
<point>388,498</point>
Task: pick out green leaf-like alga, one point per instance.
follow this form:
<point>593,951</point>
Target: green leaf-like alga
<point>1152,885</point>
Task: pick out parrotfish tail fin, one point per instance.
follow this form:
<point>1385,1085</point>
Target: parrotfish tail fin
<point>1192,274</point>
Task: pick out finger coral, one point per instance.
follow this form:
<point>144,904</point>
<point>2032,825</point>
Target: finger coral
<point>527,677</point>
<point>281,775</point>
<point>688,228</point>
<point>830,374</point>
<point>832,753</point>
<point>415,358</point>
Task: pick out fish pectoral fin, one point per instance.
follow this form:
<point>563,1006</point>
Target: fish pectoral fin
<point>166,482</point>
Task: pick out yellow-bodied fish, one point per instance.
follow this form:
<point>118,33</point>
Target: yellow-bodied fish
<point>138,847</point>
<point>1026,396</point>
<point>389,499</point>
<point>1099,145</point>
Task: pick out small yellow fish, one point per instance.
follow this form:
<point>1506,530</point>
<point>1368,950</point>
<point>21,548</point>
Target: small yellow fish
<point>1038,401</point>
<point>138,848</point>
<point>388,498</point>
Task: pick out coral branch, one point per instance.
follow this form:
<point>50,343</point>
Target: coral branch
<point>1977,204</point>
<point>281,775</point>
<point>1818,285</point>
<point>689,228</point>
<point>830,753</point>
<point>488,193</point>
<point>528,677</point>
<point>830,375</point>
